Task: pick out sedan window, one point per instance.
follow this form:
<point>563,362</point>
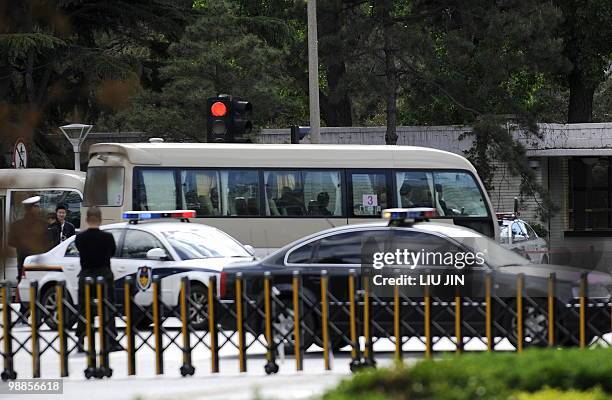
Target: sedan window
<point>72,251</point>
<point>137,243</point>
<point>344,248</point>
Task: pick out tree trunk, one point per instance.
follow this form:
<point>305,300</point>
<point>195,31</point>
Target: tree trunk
<point>581,99</point>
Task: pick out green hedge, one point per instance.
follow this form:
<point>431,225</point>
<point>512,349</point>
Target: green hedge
<point>552,394</point>
<point>483,376</point>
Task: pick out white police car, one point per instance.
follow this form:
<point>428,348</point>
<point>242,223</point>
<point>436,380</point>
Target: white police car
<point>146,246</point>
<point>517,235</point>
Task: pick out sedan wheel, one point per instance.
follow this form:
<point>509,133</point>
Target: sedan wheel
<point>197,308</point>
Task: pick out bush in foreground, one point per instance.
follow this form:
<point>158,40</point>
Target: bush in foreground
<point>487,376</point>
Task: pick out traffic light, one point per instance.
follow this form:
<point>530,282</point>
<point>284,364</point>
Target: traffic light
<point>229,119</point>
<point>218,122</point>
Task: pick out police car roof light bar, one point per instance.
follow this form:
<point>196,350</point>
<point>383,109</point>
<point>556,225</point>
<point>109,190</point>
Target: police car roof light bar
<point>135,216</point>
<point>408,216</point>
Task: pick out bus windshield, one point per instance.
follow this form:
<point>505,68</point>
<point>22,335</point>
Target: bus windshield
<point>451,193</point>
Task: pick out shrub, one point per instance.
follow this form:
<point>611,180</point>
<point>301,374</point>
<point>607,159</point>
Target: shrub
<point>551,394</point>
<point>484,376</point>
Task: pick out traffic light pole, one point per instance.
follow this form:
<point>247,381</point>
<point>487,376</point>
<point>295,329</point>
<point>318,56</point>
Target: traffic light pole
<point>313,73</point>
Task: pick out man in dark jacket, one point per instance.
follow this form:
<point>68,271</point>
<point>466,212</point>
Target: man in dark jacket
<point>96,248</point>
<point>29,235</point>
<point>61,229</point>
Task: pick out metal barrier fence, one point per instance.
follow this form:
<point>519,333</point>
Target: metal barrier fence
<point>283,315</point>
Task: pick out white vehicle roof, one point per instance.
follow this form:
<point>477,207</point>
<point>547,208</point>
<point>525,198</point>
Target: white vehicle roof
<point>282,155</point>
<point>160,226</point>
<point>39,178</point>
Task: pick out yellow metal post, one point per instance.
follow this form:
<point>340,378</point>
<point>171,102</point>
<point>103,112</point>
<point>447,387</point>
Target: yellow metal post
<point>159,362</point>
<point>427,300</point>
<point>397,332</point>
<point>129,325</point>
<point>212,324</point>
<point>519,313</point>
<point>352,318</point>
<point>239,323</point>
<point>324,319</point>
<point>551,309</point>
<point>34,324</point>
<point>271,367</point>
<point>296,321</point>
<point>61,331</point>
<point>91,353</point>
<point>583,296</point>
<point>488,330</point>
<point>102,358</point>
<point>367,351</point>
<point>458,334</point>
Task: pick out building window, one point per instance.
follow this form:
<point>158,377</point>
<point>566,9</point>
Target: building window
<point>590,193</point>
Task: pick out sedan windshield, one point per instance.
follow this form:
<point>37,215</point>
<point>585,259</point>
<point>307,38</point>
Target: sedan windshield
<point>207,243</point>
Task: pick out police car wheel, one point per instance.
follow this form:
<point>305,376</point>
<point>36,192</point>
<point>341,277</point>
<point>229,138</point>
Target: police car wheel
<point>197,315</point>
<point>48,300</point>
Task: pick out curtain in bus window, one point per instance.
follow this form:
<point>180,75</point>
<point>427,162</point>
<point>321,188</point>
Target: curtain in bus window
<point>225,209</point>
<point>158,189</point>
<point>459,194</point>
<point>201,191</point>
<point>284,193</point>
<point>335,177</point>
<point>270,207</point>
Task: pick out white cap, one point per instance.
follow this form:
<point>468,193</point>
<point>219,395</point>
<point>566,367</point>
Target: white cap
<point>31,201</point>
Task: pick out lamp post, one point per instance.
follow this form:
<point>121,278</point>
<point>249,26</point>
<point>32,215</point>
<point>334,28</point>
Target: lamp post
<point>313,73</point>
<point>76,134</point>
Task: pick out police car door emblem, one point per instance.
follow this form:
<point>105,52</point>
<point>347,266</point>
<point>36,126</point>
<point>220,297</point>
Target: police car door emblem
<point>144,277</point>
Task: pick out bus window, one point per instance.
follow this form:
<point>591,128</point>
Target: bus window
<point>369,193</point>
<point>222,193</point>
<point>154,189</point>
<point>201,191</point>
<point>240,192</point>
<point>49,199</point>
<point>314,193</point>
<point>414,189</point>
<point>104,186</point>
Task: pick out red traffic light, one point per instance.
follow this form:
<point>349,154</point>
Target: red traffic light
<point>218,109</point>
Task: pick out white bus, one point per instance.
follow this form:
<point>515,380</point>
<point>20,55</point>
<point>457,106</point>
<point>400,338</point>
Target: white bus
<point>267,195</point>
<point>54,186</point>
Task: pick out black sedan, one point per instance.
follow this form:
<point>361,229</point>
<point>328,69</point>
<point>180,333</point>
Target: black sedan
<point>342,249</point>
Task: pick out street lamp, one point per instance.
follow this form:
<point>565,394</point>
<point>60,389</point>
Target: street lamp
<point>76,134</point>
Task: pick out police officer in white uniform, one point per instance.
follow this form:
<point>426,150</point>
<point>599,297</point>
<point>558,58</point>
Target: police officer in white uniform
<point>29,235</point>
